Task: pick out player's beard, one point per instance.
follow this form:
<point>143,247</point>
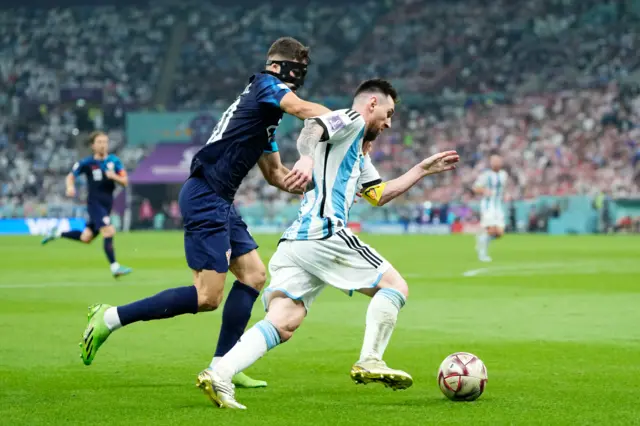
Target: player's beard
<point>371,135</point>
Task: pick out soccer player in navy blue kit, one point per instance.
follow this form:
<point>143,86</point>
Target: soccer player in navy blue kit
<point>103,171</point>
<point>216,239</point>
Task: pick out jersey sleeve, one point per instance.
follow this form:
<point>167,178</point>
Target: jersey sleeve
<point>270,91</point>
<point>78,168</point>
<point>338,122</point>
<point>272,145</point>
<point>369,175</point>
<point>117,165</point>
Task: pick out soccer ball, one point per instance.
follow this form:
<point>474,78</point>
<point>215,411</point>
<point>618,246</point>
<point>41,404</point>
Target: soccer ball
<point>462,377</point>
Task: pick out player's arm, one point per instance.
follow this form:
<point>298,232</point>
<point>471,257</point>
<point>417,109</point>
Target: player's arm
<point>380,193</point>
<point>293,105</point>
<point>311,134</point>
<point>70,183</point>
<point>70,180</point>
<point>480,186</point>
<point>274,171</point>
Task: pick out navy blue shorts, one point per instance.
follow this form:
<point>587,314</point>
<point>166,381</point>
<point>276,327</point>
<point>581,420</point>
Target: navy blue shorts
<point>214,232</point>
<point>99,216</point>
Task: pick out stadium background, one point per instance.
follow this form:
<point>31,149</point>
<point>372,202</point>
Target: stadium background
<point>551,85</point>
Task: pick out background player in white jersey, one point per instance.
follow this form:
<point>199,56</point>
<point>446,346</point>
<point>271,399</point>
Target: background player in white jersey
<point>318,250</point>
<point>491,185</point>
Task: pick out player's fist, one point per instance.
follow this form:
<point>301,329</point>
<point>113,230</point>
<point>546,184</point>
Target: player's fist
<point>110,174</point>
<point>70,192</point>
<point>440,162</point>
<point>300,174</point>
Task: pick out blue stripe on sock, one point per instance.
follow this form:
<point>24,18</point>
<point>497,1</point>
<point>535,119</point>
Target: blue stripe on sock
<point>270,333</point>
<point>394,296</point>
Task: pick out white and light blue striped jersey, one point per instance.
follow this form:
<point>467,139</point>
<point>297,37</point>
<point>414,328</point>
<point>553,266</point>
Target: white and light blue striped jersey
<point>340,170</point>
<point>495,182</point>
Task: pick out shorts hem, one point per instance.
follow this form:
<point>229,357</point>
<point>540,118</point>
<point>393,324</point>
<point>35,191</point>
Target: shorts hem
<point>285,292</point>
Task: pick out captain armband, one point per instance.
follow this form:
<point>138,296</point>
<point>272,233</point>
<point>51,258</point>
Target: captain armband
<point>373,194</point>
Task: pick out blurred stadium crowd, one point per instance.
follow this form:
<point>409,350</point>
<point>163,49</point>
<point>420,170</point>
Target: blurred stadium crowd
<point>552,85</point>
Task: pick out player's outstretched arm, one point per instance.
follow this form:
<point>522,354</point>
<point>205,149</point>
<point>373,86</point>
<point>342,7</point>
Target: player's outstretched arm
<point>382,193</point>
<point>301,174</point>
<point>274,171</point>
<point>292,104</point>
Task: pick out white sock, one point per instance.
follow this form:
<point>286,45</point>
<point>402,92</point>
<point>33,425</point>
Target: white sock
<point>483,242</point>
<point>112,319</point>
<point>381,320</point>
<point>252,346</point>
<point>214,361</point>
<point>115,266</point>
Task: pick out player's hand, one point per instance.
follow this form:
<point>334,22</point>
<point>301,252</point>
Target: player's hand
<point>440,162</point>
<point>110,174</point>
<point>70,192</point>
<point>300,174</point>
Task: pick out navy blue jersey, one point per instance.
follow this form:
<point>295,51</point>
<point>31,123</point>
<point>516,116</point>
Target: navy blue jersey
<point>100,187</point>
<point>245,131</point>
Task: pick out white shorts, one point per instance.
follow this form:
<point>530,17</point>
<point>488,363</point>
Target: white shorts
<point>492,217</point>
<point>302,269</point>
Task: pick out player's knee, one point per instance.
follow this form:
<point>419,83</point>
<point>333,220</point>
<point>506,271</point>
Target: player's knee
<point>256,278</point>
<point>286,315</point>
<point>393,279</point>
<point>86,236</point>
<point>107,231</point>
<point>210,288</point>
<point>208,301</point>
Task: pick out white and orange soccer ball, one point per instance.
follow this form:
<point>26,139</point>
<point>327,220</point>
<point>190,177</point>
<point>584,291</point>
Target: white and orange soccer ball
<point>462,377</point>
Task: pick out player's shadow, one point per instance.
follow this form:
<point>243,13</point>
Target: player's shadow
<point>422,402</point>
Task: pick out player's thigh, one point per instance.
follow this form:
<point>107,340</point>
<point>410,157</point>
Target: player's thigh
<point>290,279</point>
<point>249,269</point>
<point>206,229</point>
<point>108,231</point>
<point>343,261</point>
<point>245,263</point>
<point>242,241</point>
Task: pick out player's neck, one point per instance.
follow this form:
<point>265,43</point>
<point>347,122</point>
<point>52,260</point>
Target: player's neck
<point>99,156</point>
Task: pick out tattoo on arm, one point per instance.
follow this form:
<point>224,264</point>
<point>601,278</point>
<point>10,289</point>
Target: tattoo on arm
<point>309,137</point>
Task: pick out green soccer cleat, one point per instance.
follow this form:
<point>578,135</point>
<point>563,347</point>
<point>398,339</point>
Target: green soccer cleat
<point>95,334</point>
<point>241,380</point>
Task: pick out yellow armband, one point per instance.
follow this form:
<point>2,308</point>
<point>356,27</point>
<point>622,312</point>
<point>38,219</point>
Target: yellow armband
<point>373,194</point>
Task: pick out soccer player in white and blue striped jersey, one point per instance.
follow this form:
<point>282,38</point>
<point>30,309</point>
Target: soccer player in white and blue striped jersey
<point>318,249</point>
<point>491,185</point>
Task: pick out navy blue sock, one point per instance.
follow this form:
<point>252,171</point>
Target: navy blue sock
<point>108,249</point>
<point>72,235</point>
<point>166,304</point>
<point>235,316</point>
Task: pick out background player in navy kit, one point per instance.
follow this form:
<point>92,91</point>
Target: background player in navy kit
<point>102,171</point>
<point>216,239</point>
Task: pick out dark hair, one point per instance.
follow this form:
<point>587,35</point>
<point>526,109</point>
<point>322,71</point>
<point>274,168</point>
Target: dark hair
<point>288,48</point>
<point>94,135</point>
<point>378,85</point>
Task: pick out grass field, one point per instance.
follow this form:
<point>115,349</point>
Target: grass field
<point>555,319</point>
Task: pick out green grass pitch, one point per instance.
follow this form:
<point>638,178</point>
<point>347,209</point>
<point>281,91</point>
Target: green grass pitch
<point>555,319</point>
